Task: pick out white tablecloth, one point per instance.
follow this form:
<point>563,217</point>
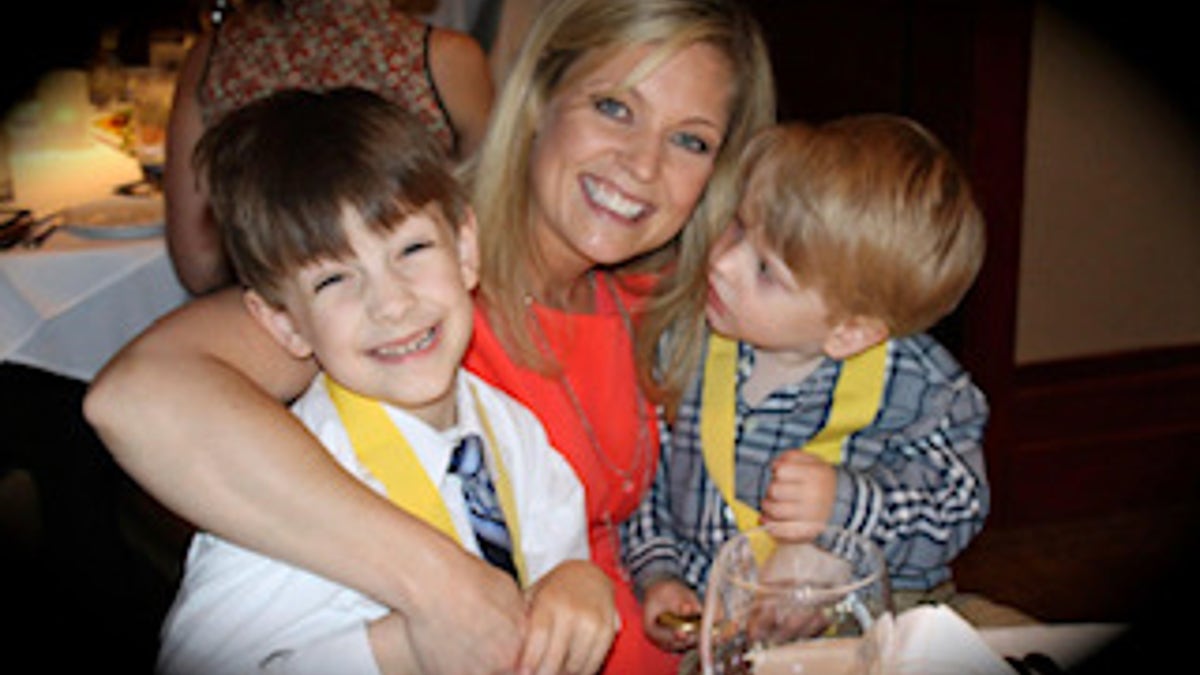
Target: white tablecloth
<point>68,306</point>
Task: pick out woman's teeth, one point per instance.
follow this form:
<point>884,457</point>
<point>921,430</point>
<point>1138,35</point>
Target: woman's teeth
<point>395,350</point>
<point>612,200</point>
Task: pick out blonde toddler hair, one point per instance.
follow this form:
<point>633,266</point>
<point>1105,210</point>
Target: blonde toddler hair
<point>872,211</point>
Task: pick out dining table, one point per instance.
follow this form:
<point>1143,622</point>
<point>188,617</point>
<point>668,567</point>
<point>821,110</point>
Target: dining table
<point>71,299</point>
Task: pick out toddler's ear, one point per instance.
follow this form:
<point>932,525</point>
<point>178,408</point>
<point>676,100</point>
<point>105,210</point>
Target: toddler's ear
<point>278,323</point>
<point>854,335</point>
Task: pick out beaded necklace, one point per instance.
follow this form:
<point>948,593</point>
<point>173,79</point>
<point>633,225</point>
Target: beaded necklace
<point>636,476</point>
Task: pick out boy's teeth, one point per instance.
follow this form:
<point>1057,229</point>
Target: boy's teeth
<point>611,199</point>
<point>408,347</point>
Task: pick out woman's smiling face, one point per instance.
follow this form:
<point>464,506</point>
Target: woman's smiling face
<point>617,170</point>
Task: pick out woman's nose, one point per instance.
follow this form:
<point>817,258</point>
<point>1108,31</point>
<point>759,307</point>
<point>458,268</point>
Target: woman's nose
<point>643,156</point>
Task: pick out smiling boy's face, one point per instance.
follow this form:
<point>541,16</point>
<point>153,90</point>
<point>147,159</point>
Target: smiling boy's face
<point>390,321</point>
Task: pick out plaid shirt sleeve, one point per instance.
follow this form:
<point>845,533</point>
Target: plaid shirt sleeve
<point>648,541</point>
<point>915,480</point>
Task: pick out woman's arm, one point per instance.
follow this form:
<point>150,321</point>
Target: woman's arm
<point>193,239</point>
<point>191,410</point>
<point>464,83</point>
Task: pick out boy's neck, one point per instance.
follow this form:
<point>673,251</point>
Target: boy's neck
<point>775,369</point>
<point>440,415</point>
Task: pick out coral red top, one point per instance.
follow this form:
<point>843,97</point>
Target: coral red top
<point>596,354</point>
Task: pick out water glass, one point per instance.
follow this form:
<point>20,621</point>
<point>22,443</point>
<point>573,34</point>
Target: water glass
<point>802,603</point>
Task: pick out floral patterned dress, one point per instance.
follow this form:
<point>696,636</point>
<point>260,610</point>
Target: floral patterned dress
<point>320,45</point>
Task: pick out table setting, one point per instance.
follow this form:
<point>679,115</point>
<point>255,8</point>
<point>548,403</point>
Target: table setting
<point>83,260</point>
<point>797,605</point>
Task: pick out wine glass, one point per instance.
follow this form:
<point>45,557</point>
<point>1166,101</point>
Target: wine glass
<point>806,602</point>
<point>150,92</point>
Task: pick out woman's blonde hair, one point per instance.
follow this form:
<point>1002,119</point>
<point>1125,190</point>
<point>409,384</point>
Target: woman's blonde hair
<point>565,33</point>
<point>870,210</point>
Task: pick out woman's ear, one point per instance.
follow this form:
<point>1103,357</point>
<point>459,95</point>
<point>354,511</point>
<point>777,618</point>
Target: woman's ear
<point>468,249</point>
<point>278,323</point>
<point>854,335</point>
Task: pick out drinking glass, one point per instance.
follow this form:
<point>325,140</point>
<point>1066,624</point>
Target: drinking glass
<point>802,603</point>
<point>150,92</point>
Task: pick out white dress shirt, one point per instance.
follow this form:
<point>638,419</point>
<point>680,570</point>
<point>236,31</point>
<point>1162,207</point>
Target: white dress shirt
<point>237,611</point>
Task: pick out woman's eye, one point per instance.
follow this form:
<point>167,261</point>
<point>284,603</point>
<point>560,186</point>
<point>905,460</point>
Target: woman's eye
<point>692,143</point>
<point>611,107</point>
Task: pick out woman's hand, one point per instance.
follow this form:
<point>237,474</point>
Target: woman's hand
<point>469,618</point>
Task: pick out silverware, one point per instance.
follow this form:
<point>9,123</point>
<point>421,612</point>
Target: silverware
<point>41,229</point>
<point>14,225</point>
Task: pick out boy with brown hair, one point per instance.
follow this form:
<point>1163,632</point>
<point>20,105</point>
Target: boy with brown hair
<point>358,249</point>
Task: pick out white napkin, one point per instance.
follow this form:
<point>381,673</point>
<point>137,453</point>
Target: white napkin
<point>934,640</point>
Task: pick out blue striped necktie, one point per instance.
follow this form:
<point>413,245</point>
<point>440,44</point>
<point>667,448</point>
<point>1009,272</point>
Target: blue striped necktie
<point>483,508</point>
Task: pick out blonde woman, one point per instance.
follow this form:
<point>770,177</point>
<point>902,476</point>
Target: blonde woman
<point>611,150</point>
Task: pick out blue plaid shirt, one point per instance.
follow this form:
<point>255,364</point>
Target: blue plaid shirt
<point>913,480</point>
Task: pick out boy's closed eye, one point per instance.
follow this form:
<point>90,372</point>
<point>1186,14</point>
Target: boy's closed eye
<point>415,247</point>
<point>323,274</point>
<point>327,280</point>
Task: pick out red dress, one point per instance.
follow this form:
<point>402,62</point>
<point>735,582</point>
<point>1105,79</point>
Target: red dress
<point>597,356</point>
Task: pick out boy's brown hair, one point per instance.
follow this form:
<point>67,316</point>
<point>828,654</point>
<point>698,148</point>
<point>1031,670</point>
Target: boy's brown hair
<point>870,210</point>
<point>282,171</point>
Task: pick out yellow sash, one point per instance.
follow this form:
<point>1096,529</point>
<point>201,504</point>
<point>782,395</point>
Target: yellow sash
<point>387,454</point>
<point>856,400</point>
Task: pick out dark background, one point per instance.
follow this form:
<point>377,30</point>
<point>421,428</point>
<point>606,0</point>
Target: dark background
<point>959,67</point>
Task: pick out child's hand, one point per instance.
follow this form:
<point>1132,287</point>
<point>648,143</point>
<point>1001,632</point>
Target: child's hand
<point>802,490</point>
<point>572,620</point>
<point>674,597</point>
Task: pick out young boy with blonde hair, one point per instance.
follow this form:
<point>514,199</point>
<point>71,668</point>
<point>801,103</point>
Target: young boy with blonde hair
<point>813,379</point>
<point>358,249</point>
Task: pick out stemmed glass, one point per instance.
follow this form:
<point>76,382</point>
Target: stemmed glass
<point>150,92</point>
<point>807,602</point>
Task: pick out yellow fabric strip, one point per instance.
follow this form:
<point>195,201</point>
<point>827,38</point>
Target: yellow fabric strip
<point>718,421</point>
<point>856,400</point>
<point>387,454</point>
